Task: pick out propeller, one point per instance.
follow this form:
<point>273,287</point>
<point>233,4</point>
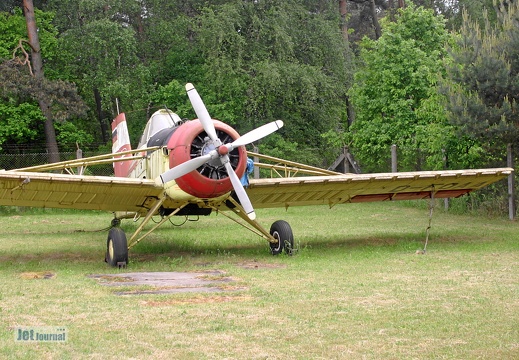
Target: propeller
<point>201,112</point>
<point>221,151</point>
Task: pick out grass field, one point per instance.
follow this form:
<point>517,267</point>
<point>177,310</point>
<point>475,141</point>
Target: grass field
<point>356,289</point>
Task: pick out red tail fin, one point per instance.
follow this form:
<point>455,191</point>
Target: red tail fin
<point>120,143</point>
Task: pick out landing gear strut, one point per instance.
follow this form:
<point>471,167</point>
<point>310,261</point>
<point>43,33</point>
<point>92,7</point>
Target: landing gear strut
<point>117,248</point>
<point>282,231</point>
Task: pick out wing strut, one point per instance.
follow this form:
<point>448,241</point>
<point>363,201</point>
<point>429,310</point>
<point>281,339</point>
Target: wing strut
<point>238,209</point>
<point>148,217</point>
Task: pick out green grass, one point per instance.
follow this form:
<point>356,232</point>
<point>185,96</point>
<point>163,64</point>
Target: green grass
<point>356,288</point>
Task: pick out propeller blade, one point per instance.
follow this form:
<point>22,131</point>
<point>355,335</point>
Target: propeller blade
<point>240,191</point>
<point>256,134</point>
<point>201,111</point>
<point>187,167</point>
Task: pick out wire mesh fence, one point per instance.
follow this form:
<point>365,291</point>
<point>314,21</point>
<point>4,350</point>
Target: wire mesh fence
<point>18,161</point>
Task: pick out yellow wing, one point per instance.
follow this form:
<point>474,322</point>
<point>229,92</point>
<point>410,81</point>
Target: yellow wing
<point>30,187</point>
<point>37,189</point>
<point>350,188</point>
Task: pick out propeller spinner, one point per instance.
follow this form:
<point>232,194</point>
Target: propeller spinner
<point>221,150</point>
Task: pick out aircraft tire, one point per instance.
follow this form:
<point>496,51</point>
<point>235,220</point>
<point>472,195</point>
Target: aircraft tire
<point>116,248</point>
<point>282,231</point>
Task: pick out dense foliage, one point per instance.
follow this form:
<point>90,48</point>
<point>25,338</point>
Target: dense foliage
<point>395,93</point>
<point>483,90</point>
<point>21,120</point>
<point>362,73</point>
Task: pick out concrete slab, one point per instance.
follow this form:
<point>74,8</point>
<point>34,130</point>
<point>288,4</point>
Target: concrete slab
<point>168,282</point>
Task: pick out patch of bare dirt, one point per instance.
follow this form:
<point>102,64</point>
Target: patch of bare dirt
<point>38,275</point>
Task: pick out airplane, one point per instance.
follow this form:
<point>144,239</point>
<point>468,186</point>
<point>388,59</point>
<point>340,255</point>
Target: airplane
<point>195,167</point>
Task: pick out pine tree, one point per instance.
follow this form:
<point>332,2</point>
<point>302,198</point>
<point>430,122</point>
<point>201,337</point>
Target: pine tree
<point>484,80</point>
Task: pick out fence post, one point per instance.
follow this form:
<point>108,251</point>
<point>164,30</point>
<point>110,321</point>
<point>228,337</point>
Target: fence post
<point>394,160</point>
<point>446,200</point>
<point>256,160</point>
<point>511,183</point>
<point>79,155</point>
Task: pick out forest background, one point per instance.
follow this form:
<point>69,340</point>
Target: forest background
<point>438,78</point>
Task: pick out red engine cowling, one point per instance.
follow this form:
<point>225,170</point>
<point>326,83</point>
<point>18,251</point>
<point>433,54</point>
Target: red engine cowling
<point>210,180</point>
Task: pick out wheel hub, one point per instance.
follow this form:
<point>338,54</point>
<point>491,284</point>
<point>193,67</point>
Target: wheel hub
<point>206,149</point>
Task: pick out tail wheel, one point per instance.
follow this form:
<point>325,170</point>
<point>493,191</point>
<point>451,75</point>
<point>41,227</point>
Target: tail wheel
<point>282,231</point>
<point>116,248</point>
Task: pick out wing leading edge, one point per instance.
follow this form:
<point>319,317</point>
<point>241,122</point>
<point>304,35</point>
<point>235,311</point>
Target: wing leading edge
<point>47,190</point>
<point>351,188</point>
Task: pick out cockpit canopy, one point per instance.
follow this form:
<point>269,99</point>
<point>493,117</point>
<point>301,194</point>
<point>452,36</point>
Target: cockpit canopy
<point>160,120</point>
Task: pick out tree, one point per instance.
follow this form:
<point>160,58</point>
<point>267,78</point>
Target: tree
<point>395,93</point>
<point>276,60</point>
<point>364,16</point>
<point>19,120</point>
<point>21,89</point>
<point>37,68</point>
<point>453,10</point>
<point>102,60</point>
<point>483,90</point>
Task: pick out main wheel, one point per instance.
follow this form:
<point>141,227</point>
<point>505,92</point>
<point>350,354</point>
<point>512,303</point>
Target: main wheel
<point>116,248</point>
<point>282,231</point>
